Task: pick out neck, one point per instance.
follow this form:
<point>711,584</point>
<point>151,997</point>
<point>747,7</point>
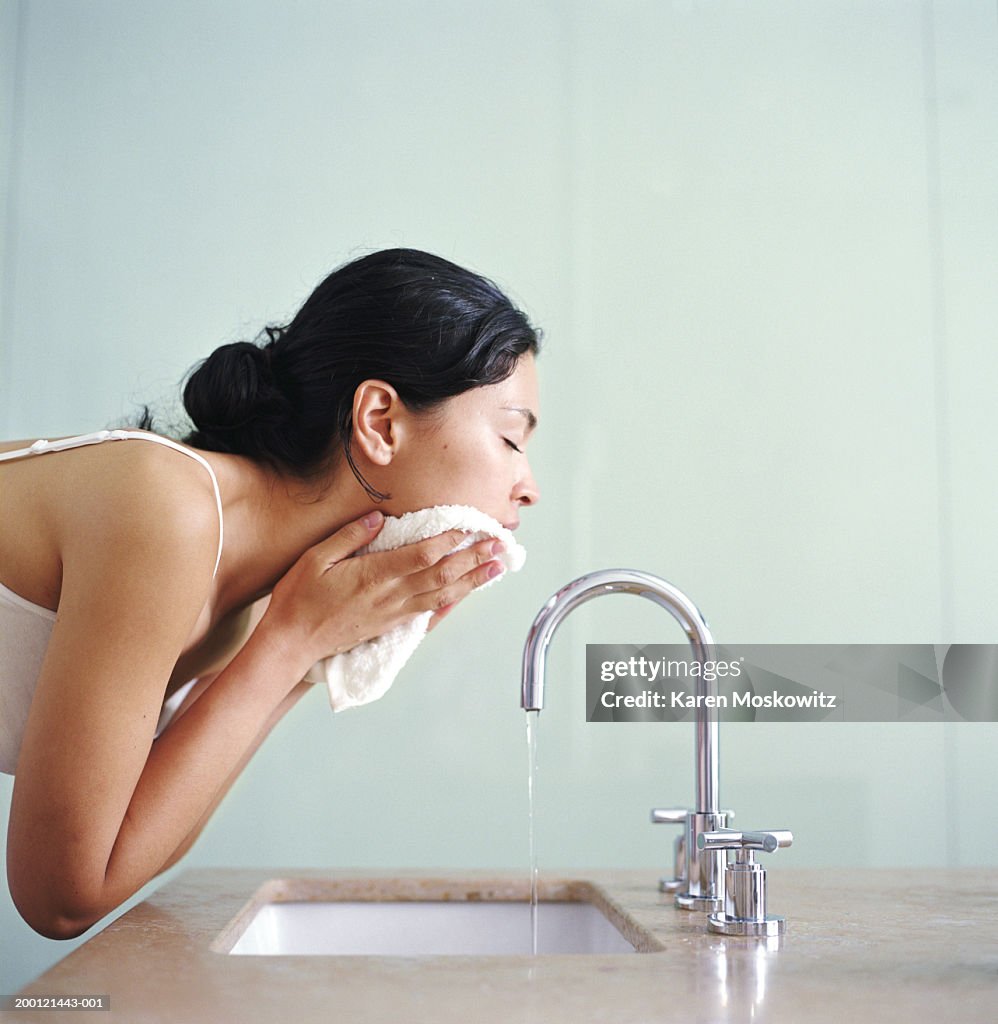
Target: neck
<point>271,520</point>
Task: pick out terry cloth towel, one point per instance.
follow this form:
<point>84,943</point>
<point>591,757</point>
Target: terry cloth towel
<point>365,672</point>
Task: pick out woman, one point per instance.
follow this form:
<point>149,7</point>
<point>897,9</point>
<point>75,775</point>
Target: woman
<point>403,382</point>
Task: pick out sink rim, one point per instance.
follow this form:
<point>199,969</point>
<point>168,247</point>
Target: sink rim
<point>432,889</point>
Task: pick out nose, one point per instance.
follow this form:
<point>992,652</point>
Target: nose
<point>526,491</point>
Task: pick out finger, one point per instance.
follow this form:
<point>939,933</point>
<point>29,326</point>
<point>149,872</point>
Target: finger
<point>415,558</point>
<point>440,613</point>
<point>438,599</point>
<point>348,539</point>
<point>451,568</point>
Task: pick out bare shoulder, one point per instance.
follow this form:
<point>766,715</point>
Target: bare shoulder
<point>137,503</point>
<point>88,507</point>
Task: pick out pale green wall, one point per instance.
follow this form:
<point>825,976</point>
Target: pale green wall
<point>761,238</point>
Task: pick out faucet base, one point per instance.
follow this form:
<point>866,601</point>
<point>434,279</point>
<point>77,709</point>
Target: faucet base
<point>727,925</point>
<point>687,901</point>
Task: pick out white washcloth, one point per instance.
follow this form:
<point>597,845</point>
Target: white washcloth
<point>365,672</point>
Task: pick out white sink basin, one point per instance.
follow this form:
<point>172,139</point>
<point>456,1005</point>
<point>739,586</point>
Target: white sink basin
<point>425,928</point>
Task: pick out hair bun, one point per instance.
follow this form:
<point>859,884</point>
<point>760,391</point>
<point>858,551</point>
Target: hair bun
<point>232,390</point>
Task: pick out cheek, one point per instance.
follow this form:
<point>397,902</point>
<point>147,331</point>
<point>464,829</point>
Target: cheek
<point>461,456</point>
<point>474,472</point>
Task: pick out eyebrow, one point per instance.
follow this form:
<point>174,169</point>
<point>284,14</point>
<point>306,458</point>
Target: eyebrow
<point>530,417</point>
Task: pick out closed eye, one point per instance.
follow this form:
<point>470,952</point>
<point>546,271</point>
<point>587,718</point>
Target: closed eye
<point>513,446</point>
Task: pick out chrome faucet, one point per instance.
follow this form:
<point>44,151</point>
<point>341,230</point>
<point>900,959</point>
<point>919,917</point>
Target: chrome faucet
<point>703,872</point>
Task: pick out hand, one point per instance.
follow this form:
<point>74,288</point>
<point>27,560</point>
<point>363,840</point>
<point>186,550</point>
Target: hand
<point>329,602</point>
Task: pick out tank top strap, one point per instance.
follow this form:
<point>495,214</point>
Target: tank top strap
<point>43,447</point>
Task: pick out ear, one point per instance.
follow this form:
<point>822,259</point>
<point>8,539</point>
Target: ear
<point>376,409</point>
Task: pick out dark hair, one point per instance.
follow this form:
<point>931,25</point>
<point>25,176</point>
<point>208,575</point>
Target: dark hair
<point>426,326</point>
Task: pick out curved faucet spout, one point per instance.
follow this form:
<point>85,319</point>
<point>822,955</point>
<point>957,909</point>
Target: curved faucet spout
<point>643,584</point>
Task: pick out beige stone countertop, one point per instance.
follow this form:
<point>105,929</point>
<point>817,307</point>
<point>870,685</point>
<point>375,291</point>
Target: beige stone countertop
<point>865,945</point>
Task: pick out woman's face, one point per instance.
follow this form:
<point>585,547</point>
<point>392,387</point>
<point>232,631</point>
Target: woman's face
<point>470,450</point>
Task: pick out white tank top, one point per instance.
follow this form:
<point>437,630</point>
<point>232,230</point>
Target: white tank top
<point>25,628</point>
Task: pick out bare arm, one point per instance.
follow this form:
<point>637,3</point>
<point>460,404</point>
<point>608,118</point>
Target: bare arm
<point>97,807</point>
<point>279,712</point>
